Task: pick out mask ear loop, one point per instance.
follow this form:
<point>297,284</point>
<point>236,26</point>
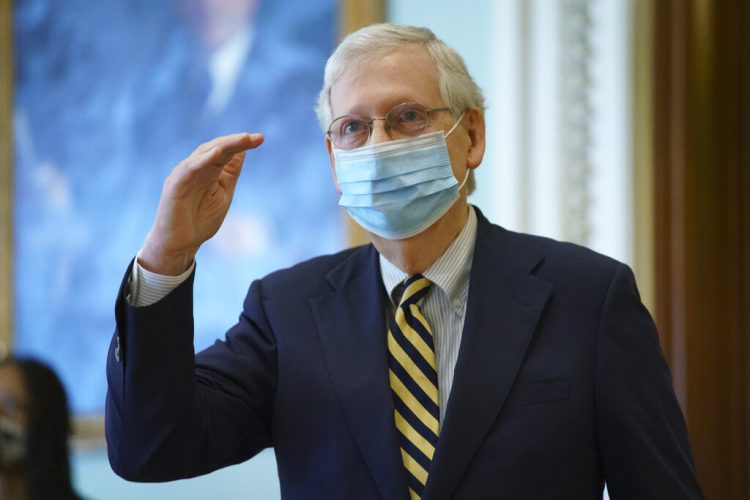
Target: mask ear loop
<point>455,124</point>
<point>466,177</point>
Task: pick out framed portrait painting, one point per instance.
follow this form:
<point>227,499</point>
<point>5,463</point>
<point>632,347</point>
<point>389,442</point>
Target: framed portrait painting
<point>108,97</point>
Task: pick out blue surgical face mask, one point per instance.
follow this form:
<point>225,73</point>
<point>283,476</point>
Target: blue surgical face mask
<point>399,188</point>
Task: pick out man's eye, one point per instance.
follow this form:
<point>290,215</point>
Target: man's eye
<point>409,116</point>
<point>409,120</point>
<point>352,127</point>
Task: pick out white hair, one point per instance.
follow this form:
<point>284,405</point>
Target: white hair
<point>457,88</point>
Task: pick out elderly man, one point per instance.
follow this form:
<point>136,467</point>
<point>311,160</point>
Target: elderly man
<point>450,358</point>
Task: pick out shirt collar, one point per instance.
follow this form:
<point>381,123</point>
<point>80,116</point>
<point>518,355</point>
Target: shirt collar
<point>450,271</point>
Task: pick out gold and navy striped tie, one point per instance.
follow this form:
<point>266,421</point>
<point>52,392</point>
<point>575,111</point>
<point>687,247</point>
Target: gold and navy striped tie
<point>413,376</point>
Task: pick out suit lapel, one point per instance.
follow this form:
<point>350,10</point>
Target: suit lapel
<point>503,308</point>
<point>352,328</point>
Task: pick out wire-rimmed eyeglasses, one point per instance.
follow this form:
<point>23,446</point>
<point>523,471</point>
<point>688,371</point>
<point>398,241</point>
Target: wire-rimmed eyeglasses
<point>406,120</point>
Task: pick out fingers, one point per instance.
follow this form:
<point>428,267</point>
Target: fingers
<point>198,160</point>
<point>222,156</point>
<point>240,145</point>
<point>221,150</point>
<point>232,144</point>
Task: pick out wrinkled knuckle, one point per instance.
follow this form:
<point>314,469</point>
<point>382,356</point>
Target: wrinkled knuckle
<point>204,147</point>
<point>188,165</point>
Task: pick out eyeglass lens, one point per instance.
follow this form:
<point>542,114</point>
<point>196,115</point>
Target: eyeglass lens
<point>408,119</point>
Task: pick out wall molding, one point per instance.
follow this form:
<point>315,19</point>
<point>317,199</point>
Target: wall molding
<point>575,118</point>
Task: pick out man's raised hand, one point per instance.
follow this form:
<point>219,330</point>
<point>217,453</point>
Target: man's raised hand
<point>194,201</point>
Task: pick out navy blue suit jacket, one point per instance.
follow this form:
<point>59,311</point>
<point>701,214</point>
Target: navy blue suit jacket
<point>560,384</point>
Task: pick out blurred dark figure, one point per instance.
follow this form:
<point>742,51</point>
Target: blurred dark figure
<point>34,431</point>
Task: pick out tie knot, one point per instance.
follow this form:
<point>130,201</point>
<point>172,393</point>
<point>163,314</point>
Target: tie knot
<point>414,289</point>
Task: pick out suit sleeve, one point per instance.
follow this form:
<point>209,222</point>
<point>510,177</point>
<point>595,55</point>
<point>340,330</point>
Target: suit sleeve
<point>171,415</point>
<point>640,428</point>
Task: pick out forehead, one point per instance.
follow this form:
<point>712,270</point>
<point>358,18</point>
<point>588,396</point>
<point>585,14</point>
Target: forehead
<point>372,87</point>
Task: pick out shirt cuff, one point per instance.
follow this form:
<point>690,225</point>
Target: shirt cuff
<point>147,288</point>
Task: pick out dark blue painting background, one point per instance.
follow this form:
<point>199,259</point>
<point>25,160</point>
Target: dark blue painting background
<point>103,110</point>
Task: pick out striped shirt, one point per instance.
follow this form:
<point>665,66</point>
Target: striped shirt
<point>444,306</point>
<point>147,288</point>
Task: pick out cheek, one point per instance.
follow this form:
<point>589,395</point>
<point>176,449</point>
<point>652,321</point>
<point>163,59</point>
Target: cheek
<point>332,163</point>
<point>459,159</point>
<point>23,419</point>
<point>335,178</point>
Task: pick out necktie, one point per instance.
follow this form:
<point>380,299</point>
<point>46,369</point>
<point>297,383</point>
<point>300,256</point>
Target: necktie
<point>413,377</point>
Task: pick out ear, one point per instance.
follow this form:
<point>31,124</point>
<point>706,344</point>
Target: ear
<point>332,161</point>
<point>475,127</point>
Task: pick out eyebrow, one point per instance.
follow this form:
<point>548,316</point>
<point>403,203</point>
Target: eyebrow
<point>389,107</point>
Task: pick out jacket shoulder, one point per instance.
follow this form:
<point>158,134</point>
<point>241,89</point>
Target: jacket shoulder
<point>309,277</point>
<point>552,260</point>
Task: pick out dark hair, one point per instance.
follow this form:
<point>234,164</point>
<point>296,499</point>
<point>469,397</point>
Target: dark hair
<point>47,432</point>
